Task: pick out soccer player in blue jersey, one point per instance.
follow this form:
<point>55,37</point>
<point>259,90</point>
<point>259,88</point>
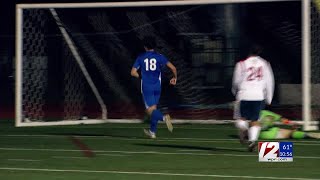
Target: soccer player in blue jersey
<point>151,63</point>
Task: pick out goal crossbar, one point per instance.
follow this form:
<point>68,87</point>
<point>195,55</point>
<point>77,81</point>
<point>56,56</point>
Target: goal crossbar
<point>141,3</point>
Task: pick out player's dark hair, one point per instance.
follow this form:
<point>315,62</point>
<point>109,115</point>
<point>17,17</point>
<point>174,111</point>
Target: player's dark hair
<point>256,50</point>
<point>149,42</point>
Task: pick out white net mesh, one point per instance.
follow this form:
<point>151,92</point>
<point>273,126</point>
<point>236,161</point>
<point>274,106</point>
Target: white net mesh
<point>54,88</point>
<point>74,87</point>
<point>315,58</point>
<point>35,64</point>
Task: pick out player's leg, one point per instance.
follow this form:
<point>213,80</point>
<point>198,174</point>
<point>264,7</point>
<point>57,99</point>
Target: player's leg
<point>154,119</point>
<point>166,118</point>
<point>246,114</point>
<point>241,124</point>
<point>254,108</point>
<point>301,135</point>
<point>276,133</point>
<point>149,101</point>
<point>284,134</point>
<point>156,116</point>
<point>253,135</point>
<point>153,124</point>
<point>269,134</point>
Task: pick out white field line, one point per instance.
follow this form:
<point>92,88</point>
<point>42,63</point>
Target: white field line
<point>25,160</point>
<point>147,152</point>
<point>203,154</point>
<point>316,143</point>
<point>68,157</point>
<point>151,173</point>
<point>173,153</point>
<point>119,155</point>
<point>193,150</point>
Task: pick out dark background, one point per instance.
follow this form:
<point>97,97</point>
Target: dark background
<point>263,23</point>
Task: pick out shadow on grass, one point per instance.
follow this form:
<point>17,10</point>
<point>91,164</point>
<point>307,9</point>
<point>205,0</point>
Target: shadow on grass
<point>191,147</point>
<point>234,136</point>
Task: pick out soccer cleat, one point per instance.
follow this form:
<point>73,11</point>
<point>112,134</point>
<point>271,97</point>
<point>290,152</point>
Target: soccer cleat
<point>150,134</point>
<point>167,119</point>
<point>252,146</point>
<point>243,135</point>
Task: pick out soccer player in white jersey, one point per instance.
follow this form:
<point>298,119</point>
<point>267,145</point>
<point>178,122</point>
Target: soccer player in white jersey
<point>253,85</point>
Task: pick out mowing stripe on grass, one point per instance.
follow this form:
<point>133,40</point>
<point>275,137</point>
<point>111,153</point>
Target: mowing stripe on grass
<point>173,153</point>
<point>151,173</point>
<point>192,150</point>
<point>306,143</point>
<point>216,147</point>
<point>26,160</point>
<point>148,152</point>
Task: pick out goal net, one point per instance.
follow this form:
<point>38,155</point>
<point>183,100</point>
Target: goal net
<point>73,61</point>
<point>315,64</point>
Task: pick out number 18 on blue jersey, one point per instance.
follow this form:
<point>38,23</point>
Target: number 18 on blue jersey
<point>150,63</point>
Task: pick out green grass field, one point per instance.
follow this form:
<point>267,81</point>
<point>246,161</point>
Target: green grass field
<point>121,151</point>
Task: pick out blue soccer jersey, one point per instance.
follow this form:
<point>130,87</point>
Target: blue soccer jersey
<point>150,64</point>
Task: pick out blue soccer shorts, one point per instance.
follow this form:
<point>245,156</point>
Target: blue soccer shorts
<point>250,110</point>
<point>151,95</point>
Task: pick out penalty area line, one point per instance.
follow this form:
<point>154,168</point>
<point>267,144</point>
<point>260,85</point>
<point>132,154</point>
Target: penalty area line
<point>151,173</point>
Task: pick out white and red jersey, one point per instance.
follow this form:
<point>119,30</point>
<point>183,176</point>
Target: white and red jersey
<point>253,80</point>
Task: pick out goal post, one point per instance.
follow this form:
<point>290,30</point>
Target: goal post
<point>46,44</point>
<point>306,65</point>
<point>18,68</point>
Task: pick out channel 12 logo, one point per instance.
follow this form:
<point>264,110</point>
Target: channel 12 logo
<point>275,151</point>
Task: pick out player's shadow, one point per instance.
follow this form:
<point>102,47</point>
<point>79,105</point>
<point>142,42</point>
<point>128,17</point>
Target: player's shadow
<point>191,147</point>
<point>234,136</point>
